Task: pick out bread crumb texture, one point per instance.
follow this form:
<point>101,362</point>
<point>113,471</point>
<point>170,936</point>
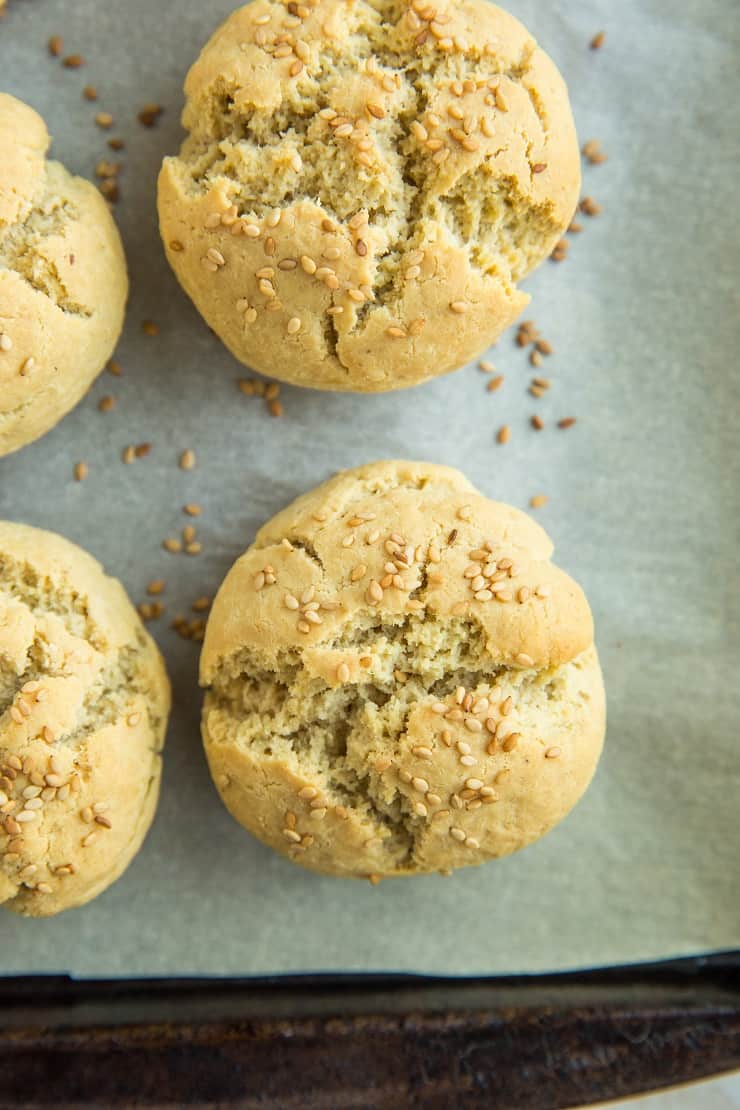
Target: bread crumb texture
<point>398,680</point>
<point>84,700</point>
<point>363,184</point>
<point>63,281</point>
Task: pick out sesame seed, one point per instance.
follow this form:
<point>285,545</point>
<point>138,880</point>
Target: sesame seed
<point>187,460</point>
<point>457,834</point>
<point>598,40</point>
<point>343,672</point>
<point>472,725</point>
<point>460,307</point>
<point>553,753</point>
<point>149,327</point>
<point>566,422</point>
<point>6,343</point>
<point>504,434</point>
<point>294,325</point>
<point>538,501</point>
<point>56,45</point>
<point>104,119</point>
<point>511,741</point>
<point>539,167</point>
<point>543,591</point>
<point>422,752</point>
<point>73,61</point>
<point>537,423</point>
<point>80,471</point>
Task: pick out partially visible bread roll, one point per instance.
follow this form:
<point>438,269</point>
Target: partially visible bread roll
<point>84,700</point>
<point>63,282</point>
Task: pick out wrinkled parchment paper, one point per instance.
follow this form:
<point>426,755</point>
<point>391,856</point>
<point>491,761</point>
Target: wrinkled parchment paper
<point>643,317</point>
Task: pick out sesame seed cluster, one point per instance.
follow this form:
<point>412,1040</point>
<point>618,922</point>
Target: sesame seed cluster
<point>363,184</point>
<point>63,281</point>
<point>398,678</point>
<point>83,707</point>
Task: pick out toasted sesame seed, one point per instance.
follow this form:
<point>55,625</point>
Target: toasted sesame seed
<point>537,423</point>
<point>56,45</point>
<point>104,119</point>
<point>538,501</point>
<point>73,61</point>
<point>504,434</point>
<point>81,471</point>
<point>343,672</point>
<point>567,422</point>
<point>539,167</point>
<point>598,40</point>
<point>172,545</point>
<point>589,207</point>
<point>149,327</point>
<point>187,460</point>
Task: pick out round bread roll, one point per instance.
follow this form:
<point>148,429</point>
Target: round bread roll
<point>364,184</point>
<point>84,700</point>
<point>398,679</point>
<point>63,281</point>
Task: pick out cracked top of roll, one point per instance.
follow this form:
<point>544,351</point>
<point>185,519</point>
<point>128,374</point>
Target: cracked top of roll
<point>398,678</point>
<point>63,281</point>
<point>364,183</point>
<point>84,700</point>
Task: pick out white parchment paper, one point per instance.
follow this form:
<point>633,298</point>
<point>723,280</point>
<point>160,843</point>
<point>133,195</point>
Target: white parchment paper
<point>643,508</point>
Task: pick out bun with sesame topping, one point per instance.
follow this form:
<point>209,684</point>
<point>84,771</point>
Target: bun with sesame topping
<point>363,184</point>
<point>398,680</point>
<point>63,282</point>
<point>84,700</point>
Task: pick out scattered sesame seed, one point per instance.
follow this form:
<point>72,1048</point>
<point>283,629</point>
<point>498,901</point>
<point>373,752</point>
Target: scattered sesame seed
<point>81,471</point>
<point>538,501</point>
<point>589,207</point>
<point>539,167</point>
<point>553,753</point>
<point>504,434</point>
<point>294,325</point>
<point>567,422</point>
<point>459,307</point>
<point>598,40</point>
<point>73,61</point>
<point>537,423</point>
<point>150,328</point>
<point>187,460</point>
<point>56,45</point>
<point>149,114</point>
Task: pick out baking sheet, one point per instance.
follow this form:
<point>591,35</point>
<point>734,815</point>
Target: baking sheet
<point>643,505</point>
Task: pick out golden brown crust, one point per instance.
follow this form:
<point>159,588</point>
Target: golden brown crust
<point>363,186</point>
<point>372,636</point>
<point>63,281</point>
<point>84,700</point>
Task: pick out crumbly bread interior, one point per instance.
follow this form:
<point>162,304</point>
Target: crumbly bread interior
<point>83,709</point>
<point>431,145</point>
<point>412,733</point>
